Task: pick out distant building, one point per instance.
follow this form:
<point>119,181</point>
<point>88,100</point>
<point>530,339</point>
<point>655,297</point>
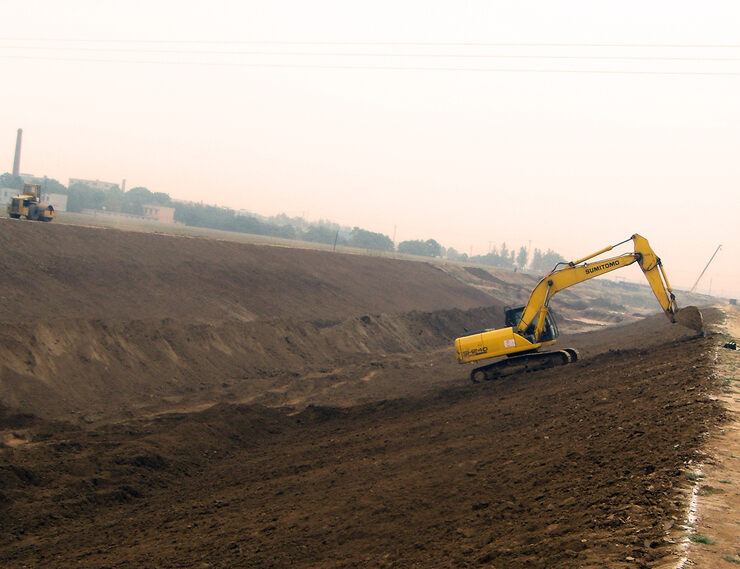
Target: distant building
<point>94,184</point>
<point>7,193</point>
<point>59,201</point>
<point>160,213</point>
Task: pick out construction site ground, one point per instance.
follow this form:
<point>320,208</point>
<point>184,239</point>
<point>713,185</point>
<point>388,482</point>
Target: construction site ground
<point>171,401</point>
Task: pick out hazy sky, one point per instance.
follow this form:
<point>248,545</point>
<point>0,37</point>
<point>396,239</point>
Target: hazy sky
<point>563,125</point>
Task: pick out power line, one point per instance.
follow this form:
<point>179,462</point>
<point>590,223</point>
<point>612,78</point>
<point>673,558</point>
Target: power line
<point>371,54</point>
<point>377,67</point>
<point>378,43</point>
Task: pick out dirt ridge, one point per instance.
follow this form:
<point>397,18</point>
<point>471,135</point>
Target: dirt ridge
<point>99,368</point>
<point>203,404</point>
<point>70,272</point>
<point>562,468</point>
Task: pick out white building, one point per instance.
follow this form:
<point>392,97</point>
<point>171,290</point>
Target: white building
<point>94,184</point>
<point>6,194</point>
<point>59,201</point>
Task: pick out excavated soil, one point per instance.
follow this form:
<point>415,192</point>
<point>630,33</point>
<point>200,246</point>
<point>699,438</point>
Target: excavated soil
<point>178,402</point>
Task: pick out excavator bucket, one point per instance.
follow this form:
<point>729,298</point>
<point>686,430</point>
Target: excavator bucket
<point>690,316</point>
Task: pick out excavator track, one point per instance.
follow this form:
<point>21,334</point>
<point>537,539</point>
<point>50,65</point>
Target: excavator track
<point>523,364</point>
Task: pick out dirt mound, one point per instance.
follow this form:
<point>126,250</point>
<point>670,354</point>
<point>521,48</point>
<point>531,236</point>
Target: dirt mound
<point>575,466</point>
<point>58,271</point>
<point>102,323</point>
<point>315,415</point>
<point>690,316</point>
<point>13,420</point>
<point>106,323</point>
<point>95,370</point>
<point>647,333</point>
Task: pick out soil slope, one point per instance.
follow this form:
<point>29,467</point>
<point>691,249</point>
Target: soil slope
<point>56,271</point>
<point>107,323</point>
<point>199,403</point>
<point>571,467</point>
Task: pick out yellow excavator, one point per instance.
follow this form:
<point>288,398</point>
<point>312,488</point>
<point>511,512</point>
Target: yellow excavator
<point>532,326</point>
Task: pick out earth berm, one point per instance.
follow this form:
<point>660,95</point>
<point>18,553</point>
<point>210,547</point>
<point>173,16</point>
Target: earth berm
<point>176,402</point>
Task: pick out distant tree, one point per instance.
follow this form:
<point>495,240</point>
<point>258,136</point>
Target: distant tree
<point>369,240</point>
<point>50,185</point>
<point>134,199</point>
<point>323,234</point>
<point>494,259</point>
<point>214,217</point>
<point>453,255</point>
<point>544,262</point>
<point>299,223</point>
<point>115,200</point>
<point>428,248</point>
<point>7,180</point>
<point>504,254</point>
<point>202,215</point>
<point>161,198</point>
<point>249,224</point>
<point>522,258</point>
<point>502,257</point>
<point>80,196</point>
<point>139,193</point>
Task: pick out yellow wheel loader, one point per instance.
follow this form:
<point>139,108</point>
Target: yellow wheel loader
<point>29,205</point>
<point>532,327</point>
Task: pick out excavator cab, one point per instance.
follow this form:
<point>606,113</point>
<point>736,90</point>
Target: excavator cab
<point>514,315</point>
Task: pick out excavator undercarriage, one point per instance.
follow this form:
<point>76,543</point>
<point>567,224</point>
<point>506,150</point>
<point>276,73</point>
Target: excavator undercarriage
<point>522,363</point>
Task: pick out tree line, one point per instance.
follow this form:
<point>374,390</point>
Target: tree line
<point>82,197</point>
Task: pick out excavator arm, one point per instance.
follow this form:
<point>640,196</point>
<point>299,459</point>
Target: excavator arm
<point>581,270</point>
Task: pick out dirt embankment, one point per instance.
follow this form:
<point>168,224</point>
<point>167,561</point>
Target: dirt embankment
<point>56,271</point>
<point>578,466</point>
<point>398,462</point>
<point>96,369</point>
<point>105,323</point>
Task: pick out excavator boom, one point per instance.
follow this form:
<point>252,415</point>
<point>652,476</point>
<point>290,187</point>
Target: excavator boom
<point>581,270</point>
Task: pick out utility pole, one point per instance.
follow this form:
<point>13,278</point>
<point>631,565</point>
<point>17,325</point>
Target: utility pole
<point>693,288</point>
